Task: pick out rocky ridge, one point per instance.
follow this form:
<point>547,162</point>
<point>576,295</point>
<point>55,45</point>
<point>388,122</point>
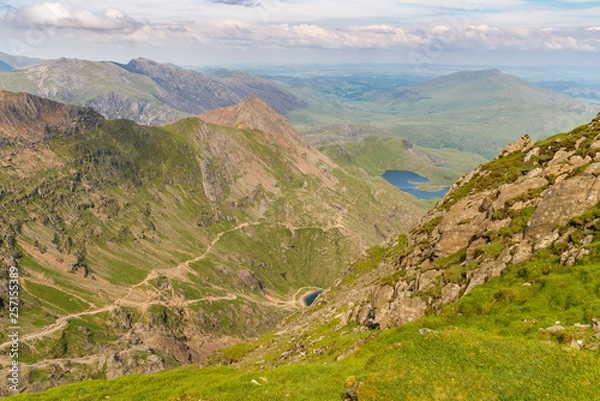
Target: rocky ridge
<point>535,197</point>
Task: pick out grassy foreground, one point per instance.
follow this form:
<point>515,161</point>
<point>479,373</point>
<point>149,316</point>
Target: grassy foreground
<point>489,345</point>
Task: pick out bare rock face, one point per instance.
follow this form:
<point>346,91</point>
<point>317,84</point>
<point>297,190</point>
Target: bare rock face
<point>117,105</point>
<point>559,204</point>
<point>460,224</point>
<point>366,316</point>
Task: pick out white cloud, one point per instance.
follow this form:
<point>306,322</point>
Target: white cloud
<point>113,25</point>
<point>57,15</point>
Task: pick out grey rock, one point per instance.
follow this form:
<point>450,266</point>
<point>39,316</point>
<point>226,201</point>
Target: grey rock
<point>554,329</point>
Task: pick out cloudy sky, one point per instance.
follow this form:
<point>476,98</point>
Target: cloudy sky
<point>225,32</point>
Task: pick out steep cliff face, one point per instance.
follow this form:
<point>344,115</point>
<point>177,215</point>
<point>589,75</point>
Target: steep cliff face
<point>535,200</point>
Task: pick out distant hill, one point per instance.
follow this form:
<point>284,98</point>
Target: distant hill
<point>474,111</point>
<point>479,111</point>
<point>4,66</point>
<point>142,90</point>
<point>142,248</point>
<point>18,61</point>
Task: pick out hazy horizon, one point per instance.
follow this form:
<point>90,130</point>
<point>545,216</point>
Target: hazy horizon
<point>229,32</point>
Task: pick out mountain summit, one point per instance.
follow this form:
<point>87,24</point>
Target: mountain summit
<point>478,111</point>
<point>254,114</point>
<point>27,119</point>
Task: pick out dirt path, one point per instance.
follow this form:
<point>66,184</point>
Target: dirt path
<point>59,324</point>
<point>179,272</point>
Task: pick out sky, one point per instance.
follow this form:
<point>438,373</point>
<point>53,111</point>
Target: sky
<point>226,32</point>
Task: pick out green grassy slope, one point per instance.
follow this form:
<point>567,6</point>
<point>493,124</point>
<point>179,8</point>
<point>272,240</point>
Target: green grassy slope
<point>376,154</point>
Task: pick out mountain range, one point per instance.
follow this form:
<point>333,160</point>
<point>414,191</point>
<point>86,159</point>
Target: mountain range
<point>142,90</point>
<point>471,111</point>
<point>143,248</point>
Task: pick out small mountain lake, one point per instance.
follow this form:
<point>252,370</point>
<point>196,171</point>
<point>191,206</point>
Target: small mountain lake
<point>407,181</point>
<point>310,298</point>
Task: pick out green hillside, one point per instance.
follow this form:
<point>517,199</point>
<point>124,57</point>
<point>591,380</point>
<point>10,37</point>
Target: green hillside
<point>475,111</point>
<point>376,154</point>
<point>507,309</point>
<point>162,244</point>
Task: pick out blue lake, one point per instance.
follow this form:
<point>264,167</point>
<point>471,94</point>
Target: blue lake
<point>407,181</point>
<point>310,298</point>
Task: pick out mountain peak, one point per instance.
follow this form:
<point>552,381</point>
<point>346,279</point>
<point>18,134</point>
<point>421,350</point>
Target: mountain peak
<point>254,114</point>
<point>251,113</point>
<point>26,119</point>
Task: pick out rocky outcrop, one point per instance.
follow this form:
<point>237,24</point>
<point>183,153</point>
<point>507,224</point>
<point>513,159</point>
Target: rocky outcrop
<point>115,105</point>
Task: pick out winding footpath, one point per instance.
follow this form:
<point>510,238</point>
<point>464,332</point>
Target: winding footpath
<point>293,303</point>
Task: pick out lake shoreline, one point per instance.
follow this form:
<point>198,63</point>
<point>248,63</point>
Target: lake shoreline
<point>407,181</point>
